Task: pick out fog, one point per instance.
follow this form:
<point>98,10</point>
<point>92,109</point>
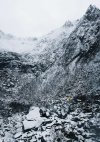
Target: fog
<point>29,18</point>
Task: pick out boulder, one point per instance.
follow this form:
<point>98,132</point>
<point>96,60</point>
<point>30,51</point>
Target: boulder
<point>32,124</point>
<point>17,135</point>
<point>33,119</point>
<point>33,114</point>
<point>44,112</point>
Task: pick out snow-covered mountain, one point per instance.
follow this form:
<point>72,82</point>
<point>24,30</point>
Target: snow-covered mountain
<point>68,65</point>
<point>50,67</point>
<point>59,71</point>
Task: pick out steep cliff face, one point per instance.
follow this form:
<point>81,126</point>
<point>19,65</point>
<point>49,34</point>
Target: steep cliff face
<point>51,78</point>
<point>82,53</point>
<point>76,70</point>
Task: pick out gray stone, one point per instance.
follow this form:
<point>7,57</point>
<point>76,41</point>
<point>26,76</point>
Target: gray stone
<point>17,135</point>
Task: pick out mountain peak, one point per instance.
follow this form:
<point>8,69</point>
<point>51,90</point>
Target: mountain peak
<point>92,7</point>
<point>92,13</point>
<point>68,24</point>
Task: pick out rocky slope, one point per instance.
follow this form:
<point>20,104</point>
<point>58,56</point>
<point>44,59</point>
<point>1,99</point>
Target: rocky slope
<point>21,69</point>
<point>61,74</point>
<point>74,68</point>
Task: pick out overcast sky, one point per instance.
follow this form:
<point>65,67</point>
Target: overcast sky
<point>38,17</point>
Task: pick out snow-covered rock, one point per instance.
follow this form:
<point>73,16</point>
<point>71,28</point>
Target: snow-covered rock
<point>32,124</point>
<point>33,119</point>
<point>34,114</point>
<point>17,135</point>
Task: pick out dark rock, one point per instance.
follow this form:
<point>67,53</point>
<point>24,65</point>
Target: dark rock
<point>71,135</point>
<point>42,139</point>
<point>18,107</point>
<point>46,122</point>
<point>44,112</point>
